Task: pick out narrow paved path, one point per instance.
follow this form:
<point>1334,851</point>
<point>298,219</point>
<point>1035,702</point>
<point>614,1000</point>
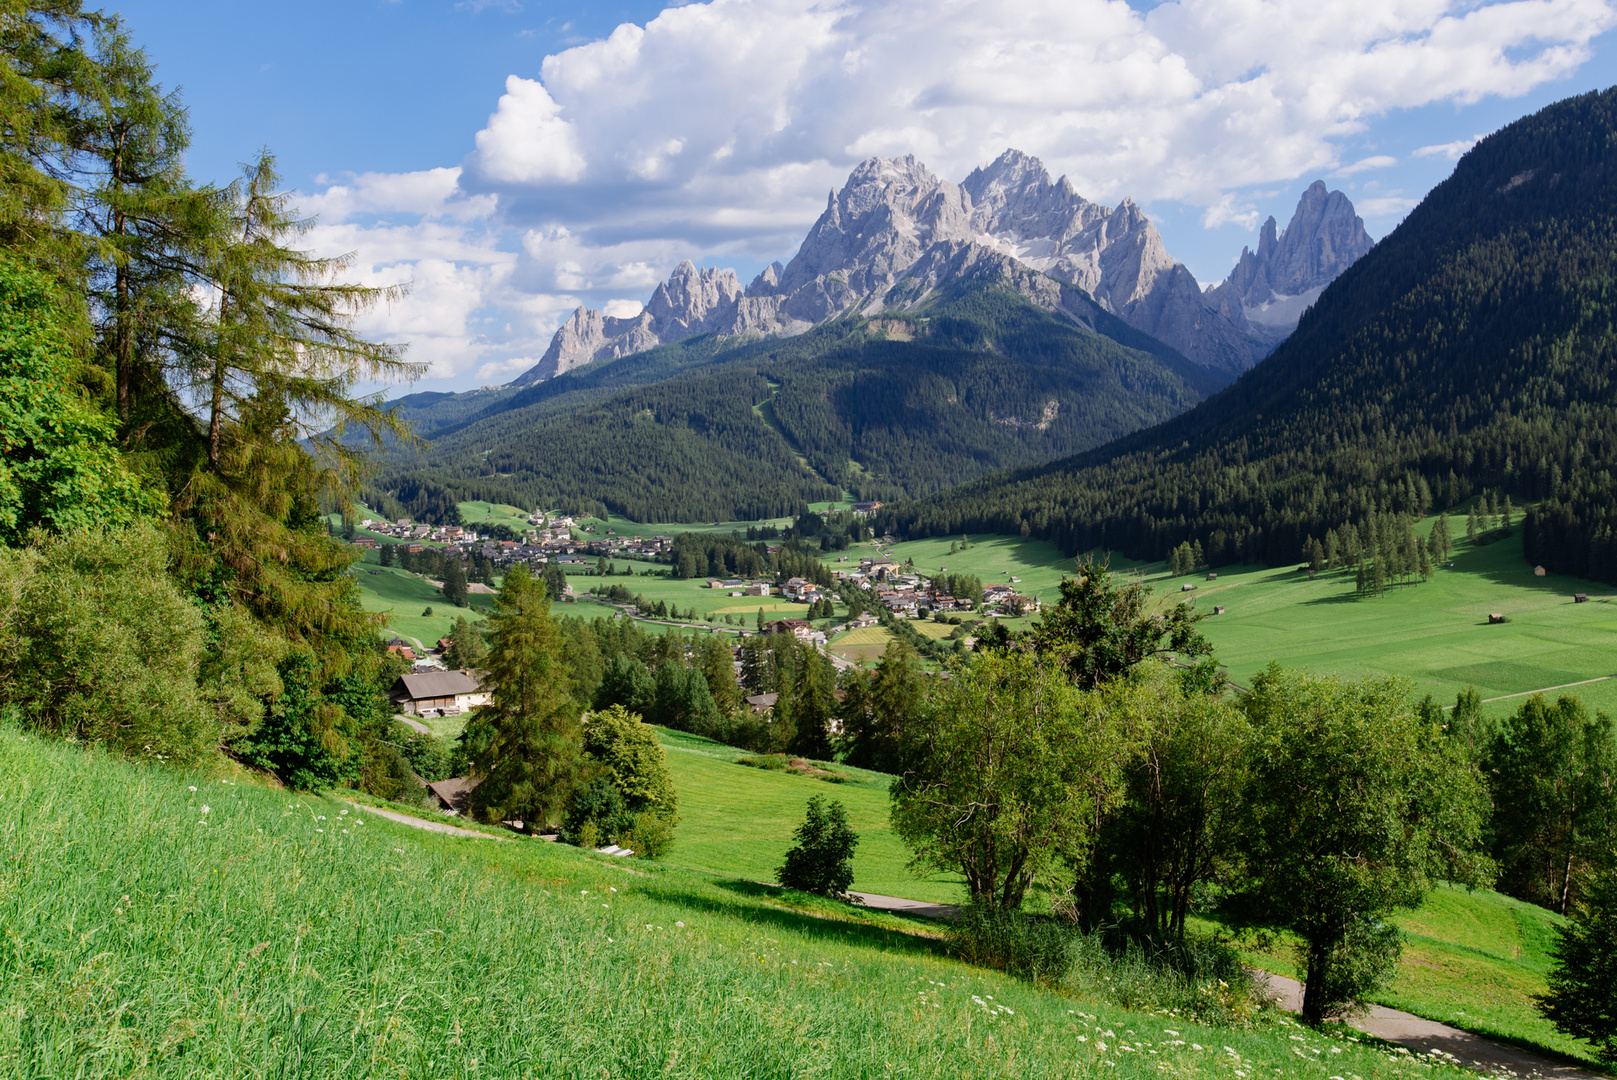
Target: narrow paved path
<point>1426,1036</point>
<point>429,826</point>
<point>413,723</point>
<point>900,906</point>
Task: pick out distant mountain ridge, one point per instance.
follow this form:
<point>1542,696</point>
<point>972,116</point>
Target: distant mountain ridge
<point>895,232</point>
<point>1470,353</point>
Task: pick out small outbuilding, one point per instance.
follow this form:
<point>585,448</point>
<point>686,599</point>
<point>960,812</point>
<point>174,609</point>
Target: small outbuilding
<point>1539,571</point>
<point>451,794</point>
<point>1580,598</point>
<point>1496,618</point>
<point>1212,577</point>
<point>1218,610</point>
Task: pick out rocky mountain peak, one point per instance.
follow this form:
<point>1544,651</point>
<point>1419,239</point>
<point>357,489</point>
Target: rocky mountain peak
<point>895,231</point>
<point>1275,284</point>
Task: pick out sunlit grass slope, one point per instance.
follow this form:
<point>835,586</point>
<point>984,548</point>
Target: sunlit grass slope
<point>737,821</point>
<point>285,938</point>
<point>1472,958</point>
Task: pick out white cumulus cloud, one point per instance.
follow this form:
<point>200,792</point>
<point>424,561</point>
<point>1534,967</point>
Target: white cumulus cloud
<point>716,129</point>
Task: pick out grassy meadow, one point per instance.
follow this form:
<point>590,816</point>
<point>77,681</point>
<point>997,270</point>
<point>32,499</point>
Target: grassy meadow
<point>403,596</point>
<point>166,924</point>
<point>1435,633</point>
<point>737,821</point>
<point>473,514</point>
<point>1473,959</point>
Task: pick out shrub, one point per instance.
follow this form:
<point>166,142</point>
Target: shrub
<point>428,756</point>
<point>633,759</point>
<point>1202,978</point>
<point>822,861</point>
<point>1036,948</point>
<point>99,645</point>
<point>596,814</point>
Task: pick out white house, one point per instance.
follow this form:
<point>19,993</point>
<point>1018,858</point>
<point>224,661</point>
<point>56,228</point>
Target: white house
<point>446,693</point>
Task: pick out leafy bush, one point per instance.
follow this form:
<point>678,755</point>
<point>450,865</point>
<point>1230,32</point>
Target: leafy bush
<point>633,760</point>
<point>1202,978</point>
<point>822,861</point>
<point>596,814</point>
<point>1036,948</point>
<point>428,756</point>
<point>97,644</point>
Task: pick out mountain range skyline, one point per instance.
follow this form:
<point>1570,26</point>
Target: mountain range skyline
<point>895,231</point>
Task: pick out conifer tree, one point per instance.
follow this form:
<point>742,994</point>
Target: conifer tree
<point>144,215</point>
<point>531,758</point>
<point>454,589</point>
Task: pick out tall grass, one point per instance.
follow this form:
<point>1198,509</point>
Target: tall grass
<point>160,924</point>
<point>1197,977</point>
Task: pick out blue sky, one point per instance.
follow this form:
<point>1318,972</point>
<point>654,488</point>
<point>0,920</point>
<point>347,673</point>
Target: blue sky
<point>514,159</point>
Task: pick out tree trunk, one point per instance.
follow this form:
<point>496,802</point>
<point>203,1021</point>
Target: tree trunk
<point>1314,1004</point>
<point>122,333</point>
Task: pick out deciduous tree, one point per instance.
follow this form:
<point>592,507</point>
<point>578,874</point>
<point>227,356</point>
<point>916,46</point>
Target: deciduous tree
<point>1354,807</point>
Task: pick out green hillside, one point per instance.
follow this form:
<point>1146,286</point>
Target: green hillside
<point>1472,959</point>
<point>167,924</point>
<point>980,379</point>
<point>1469,350</point>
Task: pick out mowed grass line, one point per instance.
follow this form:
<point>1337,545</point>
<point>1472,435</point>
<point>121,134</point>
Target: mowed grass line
<point>737,821</point>
<point>286,938</point>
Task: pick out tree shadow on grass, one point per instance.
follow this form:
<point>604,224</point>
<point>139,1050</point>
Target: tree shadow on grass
<point>747,908</point>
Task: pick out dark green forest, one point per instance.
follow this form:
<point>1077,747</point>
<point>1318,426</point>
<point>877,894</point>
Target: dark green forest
<point>987,381</point>
<point>1471,349</point>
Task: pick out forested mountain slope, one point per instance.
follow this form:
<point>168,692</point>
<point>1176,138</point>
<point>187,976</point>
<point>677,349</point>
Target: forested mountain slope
<point>884,408</point>
<point>1471,349</point>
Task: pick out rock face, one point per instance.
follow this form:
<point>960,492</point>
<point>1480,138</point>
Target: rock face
<point>895,232</point>
<point>1274,285</point>
<point>689,303</point>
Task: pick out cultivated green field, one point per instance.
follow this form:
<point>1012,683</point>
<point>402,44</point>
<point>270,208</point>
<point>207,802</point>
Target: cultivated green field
<point>1435,633</point>
<point>693,592</point>
<point>481,513</point>
<point>292,936</point>
<point>864,645</point>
